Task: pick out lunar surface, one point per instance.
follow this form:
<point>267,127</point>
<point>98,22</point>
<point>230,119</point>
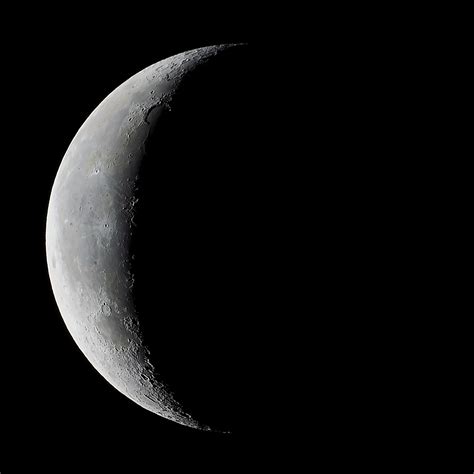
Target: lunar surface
<point>145,235</point>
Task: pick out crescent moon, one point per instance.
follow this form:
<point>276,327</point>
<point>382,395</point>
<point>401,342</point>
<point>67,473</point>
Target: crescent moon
<point>91,226</point>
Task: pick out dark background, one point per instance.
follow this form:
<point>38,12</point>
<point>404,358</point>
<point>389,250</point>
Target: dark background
<point>57,409</point>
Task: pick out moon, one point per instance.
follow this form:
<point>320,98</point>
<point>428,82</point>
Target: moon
<point>141,231</point>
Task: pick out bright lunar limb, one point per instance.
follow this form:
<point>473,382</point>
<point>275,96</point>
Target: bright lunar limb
<point>91,225</point>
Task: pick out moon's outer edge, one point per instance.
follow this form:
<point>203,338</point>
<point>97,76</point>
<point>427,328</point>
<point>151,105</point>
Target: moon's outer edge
<point>88,307</point>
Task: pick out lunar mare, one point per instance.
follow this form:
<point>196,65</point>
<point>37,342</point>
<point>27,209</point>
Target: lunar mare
<point>90,226</point>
